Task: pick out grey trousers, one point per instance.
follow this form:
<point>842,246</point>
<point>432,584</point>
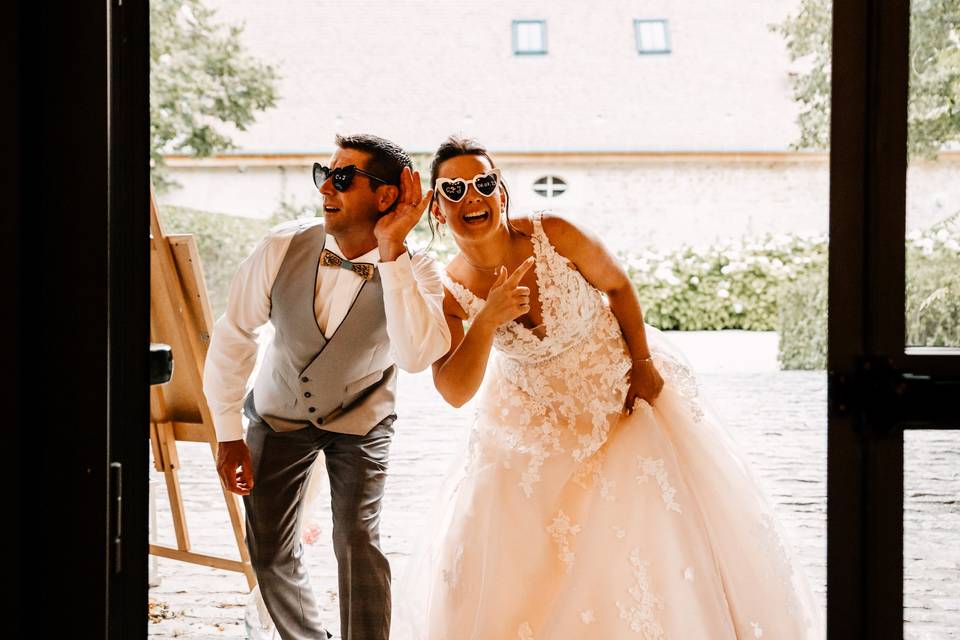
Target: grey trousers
<point>357,469</point>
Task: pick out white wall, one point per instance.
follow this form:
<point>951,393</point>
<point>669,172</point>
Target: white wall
<point>667,204</point>
<point>628,203</point>
<point>249,191</point>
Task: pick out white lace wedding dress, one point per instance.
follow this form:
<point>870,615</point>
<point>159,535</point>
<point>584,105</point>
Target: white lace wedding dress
<point>568,520</point>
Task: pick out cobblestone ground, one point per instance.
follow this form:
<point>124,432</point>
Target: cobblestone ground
<point>779,418</point>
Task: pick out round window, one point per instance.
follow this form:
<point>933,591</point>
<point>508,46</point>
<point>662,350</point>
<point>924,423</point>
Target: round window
<point>549,186</point>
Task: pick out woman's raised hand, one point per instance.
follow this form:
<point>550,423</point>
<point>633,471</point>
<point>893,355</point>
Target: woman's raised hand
<point>507,300</point>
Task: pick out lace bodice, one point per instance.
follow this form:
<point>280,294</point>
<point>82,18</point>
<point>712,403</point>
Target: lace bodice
<point>561,394</point>
<point>569,304</point>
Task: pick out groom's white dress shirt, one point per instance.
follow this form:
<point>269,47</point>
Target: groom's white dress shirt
<point>412,300</point>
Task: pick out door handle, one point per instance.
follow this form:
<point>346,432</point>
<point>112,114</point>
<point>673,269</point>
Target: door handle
<point>116,514</point>
<point>161,363</point>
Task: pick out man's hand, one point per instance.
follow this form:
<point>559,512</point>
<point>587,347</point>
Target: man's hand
<point>392,229</point>
<point>235,466</point>
<point>645,383</point>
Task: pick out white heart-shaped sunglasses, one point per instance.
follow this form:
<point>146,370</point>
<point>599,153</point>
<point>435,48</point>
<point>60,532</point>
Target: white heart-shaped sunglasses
<point>454,189</point>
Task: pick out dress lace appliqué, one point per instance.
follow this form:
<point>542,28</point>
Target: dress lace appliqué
<point>685,382</point>
<point>654,468</point>
<point>525,632</point>
<point>562,530</point>
<point>451,576</point>
<point>641,614</point>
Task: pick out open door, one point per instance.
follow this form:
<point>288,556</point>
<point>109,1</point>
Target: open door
<point>128,255</point>
<point>75,258</point>
<point>879,386</point>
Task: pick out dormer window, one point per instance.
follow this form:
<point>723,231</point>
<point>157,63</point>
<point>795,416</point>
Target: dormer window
<point>652,36</point>
<point>529,37</point>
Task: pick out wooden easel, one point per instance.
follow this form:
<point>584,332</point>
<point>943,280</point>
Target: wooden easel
<point>180,317</point>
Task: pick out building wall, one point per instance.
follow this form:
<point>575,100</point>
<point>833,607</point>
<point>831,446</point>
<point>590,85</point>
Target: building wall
<point>239,190</point>
<point>630,201</point>
<point>686,147</point>
<point>683,201</point>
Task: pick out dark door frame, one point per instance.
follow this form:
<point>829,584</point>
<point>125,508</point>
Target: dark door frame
<point>877,388</point>
<point>74,155</point>
<point>129,313</point>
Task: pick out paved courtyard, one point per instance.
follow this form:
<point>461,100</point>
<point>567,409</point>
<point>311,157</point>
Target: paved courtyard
<point>779,418</point>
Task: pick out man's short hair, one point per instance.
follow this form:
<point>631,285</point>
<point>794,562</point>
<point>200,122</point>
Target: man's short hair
<point>387,159</point>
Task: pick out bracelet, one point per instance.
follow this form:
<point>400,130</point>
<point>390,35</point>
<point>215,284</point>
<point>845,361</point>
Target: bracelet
<point>647,359</point>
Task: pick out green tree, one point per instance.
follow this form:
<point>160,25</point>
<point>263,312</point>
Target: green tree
<point>933,109</point>
<point>202,82</point>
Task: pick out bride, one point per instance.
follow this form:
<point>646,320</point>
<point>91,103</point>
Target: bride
<point>598,498</point>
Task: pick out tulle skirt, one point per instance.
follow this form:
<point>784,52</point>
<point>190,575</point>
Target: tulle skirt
<point>663,532</point>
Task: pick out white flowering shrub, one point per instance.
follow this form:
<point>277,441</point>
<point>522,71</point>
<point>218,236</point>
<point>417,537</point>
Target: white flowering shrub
<point>725,286</point>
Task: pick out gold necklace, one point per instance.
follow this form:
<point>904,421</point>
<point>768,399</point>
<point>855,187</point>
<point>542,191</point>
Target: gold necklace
<point>487,269</point>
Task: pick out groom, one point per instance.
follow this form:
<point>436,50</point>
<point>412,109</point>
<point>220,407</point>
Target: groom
<point>349,305</point>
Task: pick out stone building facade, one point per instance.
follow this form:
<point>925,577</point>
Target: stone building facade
<point>686,143</point>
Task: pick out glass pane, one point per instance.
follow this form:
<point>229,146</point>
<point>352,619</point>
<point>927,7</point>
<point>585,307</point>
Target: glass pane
<point>933,178</point>
<point>529,36</point>
<point>931,518</point>
<point>653,36</point>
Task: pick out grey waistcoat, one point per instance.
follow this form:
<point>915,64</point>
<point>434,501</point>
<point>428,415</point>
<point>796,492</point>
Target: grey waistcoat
<point>346,384</point>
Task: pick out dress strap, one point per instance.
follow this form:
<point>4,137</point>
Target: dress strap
<point>541,243</point>
<point>537,220</point>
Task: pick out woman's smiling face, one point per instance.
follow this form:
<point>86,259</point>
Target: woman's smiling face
<point>476,215</point>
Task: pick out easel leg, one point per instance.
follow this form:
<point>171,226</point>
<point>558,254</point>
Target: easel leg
<point>170,463</point>
<point>238,528</point>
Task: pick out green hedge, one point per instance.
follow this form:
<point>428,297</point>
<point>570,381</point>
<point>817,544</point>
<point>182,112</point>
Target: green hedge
<point>933,286</point>
<point>774,283</point>
<point>802,321</point>
<point>932,314</point>
<point>223,242</point>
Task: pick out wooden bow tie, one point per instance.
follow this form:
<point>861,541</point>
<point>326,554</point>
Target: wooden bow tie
<point>363,269</point>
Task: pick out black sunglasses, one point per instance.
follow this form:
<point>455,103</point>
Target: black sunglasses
<point>342,176</point>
